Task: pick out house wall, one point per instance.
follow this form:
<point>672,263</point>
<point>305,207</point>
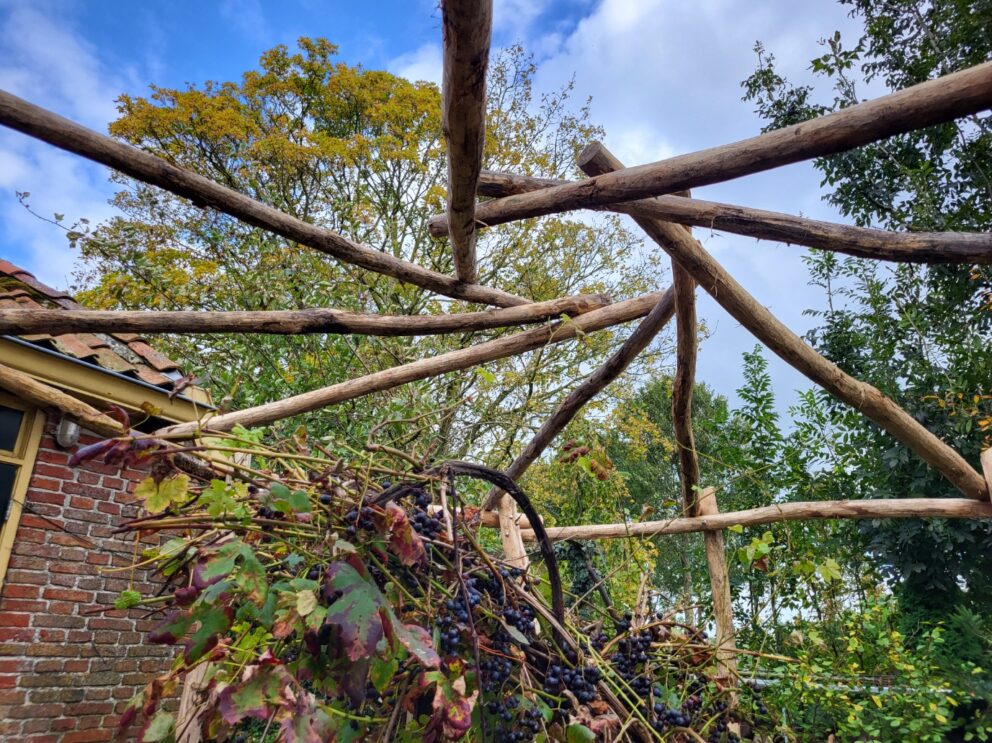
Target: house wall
<point>67,666</point>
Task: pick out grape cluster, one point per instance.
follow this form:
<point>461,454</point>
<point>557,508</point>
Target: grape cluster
<point>514,726</point>
<point>359,519</point>
<point>581,682</point>
<point>423,523</point>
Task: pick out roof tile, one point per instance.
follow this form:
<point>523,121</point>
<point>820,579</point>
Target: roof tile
<point>124,353</point>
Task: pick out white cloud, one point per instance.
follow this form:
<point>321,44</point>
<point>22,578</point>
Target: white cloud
<point>665,79</point>
<point>424,63</point>
<point>44,60</point>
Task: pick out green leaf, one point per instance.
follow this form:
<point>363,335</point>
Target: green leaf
<point>576,733</point>
<point>736,529</point>
<point>128,599</point>
<point>382,672</point>
<point>159,728</point>
<point>213,621</point>
<point>306,602</point>
<point>159,496</point>
<point>487,376</point>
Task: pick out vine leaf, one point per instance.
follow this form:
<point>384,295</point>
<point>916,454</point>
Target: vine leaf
<point>402,539</point>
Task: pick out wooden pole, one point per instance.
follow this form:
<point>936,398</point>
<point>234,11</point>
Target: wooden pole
<point>37,122</point>
<point>685,376</point>
<point>46,397</point>
<point>986,460</point>
<point>596,383</point>
<point>932,102</point>
<point>715,279</point>
<point>288,322</point>
<point>895,508</point>
<point>464,358</point>
<point>863,242</point>
<point>723,607</point>
<point>467,31</point>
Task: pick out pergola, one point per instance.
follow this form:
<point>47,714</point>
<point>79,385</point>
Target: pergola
<point>656,196</point>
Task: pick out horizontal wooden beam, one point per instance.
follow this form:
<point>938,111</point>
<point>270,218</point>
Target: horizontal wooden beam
<point>467,32</point>
<point>37,122</point>
<point>901,508</point>
<point>612,368</point>
<point>768,329</point>
<point>863,242</point>
<point>56,322</point>
<point>929,103</point>
<point>464,358</point>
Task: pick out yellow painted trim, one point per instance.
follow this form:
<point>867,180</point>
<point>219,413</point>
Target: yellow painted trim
<point>95,386</point>
<point>26,450</point>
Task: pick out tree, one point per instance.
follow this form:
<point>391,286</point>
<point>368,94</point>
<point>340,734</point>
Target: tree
<point>921,334</point>
<point>359,151</point>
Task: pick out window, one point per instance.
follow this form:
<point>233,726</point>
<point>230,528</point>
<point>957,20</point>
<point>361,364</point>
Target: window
<point>20,431</point>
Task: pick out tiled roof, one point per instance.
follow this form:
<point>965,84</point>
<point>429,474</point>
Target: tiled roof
<point>124,353</point>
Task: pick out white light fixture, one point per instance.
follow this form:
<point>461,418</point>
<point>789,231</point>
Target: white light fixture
<point>67,434</point>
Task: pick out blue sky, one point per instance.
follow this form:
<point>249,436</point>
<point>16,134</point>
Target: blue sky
<point>664,77</point>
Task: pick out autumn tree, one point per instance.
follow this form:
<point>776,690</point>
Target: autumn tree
<point>359,151</point>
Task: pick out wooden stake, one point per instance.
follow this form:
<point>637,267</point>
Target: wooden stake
<point>715,279</point>
<point>596,383</point>
<point>464,358</point>
<point>723,608</point>
<point>908,247</point>
<point>895,508</point>
<point>467,26</point>
<point>67,135</point>
<point>932,102</point>
<point>288,322</point>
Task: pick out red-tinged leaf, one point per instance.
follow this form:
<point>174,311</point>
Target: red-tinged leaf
<point>354,683</point>
<point>120,415</point>
<point>172,628</point>
<point>302,722</point>
<point>91,451</point>
<point>249,699</point>
<point>186,596</point>
<point>453,708</point>
<point>402,539</point>
<point>356,613</point>
<point>213,621</point>
<point>414,638</point>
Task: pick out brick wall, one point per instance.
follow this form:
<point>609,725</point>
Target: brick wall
<point>67,667</point>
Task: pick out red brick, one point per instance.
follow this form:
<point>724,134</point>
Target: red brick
<point>14,591</point>
<point>67,594</point>
<point>90,478</point>
<point>11,620</point>
<point>54,470</point>
<point>23,605</point>
<point>79,501</point>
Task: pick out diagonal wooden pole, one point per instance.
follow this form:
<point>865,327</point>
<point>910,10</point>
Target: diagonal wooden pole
<point>592,386</point>
<point>926,104</point>
<point>39,123</point>
<point>463,358</point>
<point>863,242</point>
<point>467,31</point>
<point>730,295</point>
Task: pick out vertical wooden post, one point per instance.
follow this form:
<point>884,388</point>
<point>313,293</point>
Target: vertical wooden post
<point>987,469</point>
<point>509,533</point>
<point>723,610</point>
<point>597,160</point>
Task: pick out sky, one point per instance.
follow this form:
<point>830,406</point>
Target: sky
<point>663,77</point>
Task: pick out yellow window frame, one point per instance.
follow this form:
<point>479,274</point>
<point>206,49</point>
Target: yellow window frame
<point>23,455</point>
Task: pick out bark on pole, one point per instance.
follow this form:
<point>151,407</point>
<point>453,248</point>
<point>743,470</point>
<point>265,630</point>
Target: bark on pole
<point>46,397</point>
<point>768,329</point>
<point>464,358</point>
<point>685,376</point>
<point>596,383</point>
<point>467,31</point>
<point>288,322</point>
<point>895,508</point>
<point>39,123</point>
<point>863,242</point>
<point>933,102</point>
